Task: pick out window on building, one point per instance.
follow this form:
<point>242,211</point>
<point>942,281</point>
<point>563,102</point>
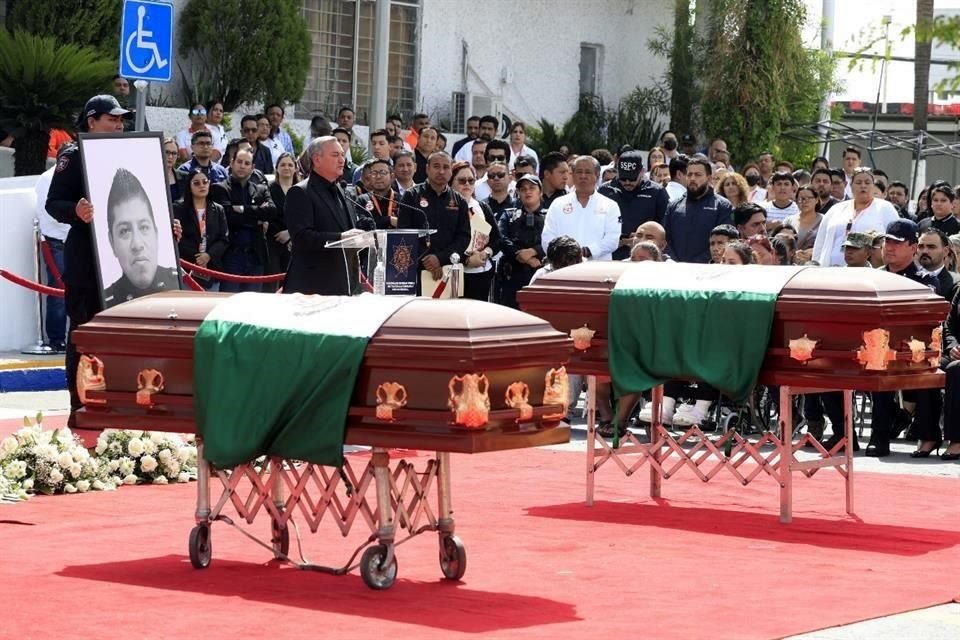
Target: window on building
<point>590,59</point>
<point>341,65</point>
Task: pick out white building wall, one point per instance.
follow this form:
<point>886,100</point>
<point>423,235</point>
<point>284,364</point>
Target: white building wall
<point>538,41</point>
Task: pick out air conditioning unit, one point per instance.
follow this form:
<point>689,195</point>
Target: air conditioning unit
<point>463,105</point>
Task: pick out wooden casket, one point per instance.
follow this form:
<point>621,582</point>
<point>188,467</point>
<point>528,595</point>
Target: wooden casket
<point>823,327</point>
<point>431,364</point>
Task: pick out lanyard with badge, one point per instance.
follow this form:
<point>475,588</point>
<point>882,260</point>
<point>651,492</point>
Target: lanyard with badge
<point>376,205</point>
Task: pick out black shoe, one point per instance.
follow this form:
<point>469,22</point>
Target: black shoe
<point>946,455</point>
<point>925,453</point>
<point>877,449</point>
<point>607,430</point>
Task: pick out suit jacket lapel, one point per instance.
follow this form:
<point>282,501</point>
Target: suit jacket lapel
<point>332,204</point>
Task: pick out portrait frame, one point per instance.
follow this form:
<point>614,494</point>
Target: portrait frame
<point>130,166</point>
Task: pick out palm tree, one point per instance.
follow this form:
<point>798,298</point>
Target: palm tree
<point>921,64</point>
<point>43,86</point>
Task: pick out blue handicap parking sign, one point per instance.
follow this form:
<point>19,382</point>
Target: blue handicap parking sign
<point>146,40</point>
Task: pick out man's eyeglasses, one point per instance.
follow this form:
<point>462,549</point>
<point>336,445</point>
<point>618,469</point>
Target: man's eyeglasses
<point>496,176</point>
<point>249,129</point>
<point>497,159</point>
<point>466,180</point>
<point>378,173</point>
<point>198,112</point>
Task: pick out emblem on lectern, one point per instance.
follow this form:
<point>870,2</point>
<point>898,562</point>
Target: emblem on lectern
<point>582,337</point>
<point>390,396</point>
<point>557,389</point>
<point>91,377</point>
<point>402,258</point>
<point>149,382</point>
<point>801,349</point>
<point>875,352</point>
<point>471,404</point>
<point>518,397</point>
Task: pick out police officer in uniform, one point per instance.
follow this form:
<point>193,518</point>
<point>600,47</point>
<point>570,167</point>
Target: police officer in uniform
<point>520,241</point>
<point>639,199</point>
<point>67,203</point>
<point>899,250</point>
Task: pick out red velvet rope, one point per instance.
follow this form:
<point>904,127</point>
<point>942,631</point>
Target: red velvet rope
<point>193,284</point>
<point>51,263</point>
<point>30,284</point>
<point>230,277</point>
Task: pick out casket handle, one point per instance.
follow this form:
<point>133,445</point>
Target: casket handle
<point>149,383</point>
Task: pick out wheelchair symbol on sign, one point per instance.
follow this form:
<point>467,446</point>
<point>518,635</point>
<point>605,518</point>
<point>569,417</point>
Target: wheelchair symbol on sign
<point>141,40</point>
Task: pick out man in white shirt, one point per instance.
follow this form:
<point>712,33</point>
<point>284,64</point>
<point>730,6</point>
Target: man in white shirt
<point>588,217</point>
<point>488,131</point>
<point>864,213</point>
<point>55,233</point>
<point>783,188</point>
<point>677,187</point>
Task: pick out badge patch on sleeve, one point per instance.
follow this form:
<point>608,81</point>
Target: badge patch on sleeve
<point>62,163</point>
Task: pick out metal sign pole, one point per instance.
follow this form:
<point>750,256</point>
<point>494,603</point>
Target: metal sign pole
<point>141,114</point>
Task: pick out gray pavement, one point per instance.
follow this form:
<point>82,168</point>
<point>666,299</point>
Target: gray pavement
<point>934,623</point>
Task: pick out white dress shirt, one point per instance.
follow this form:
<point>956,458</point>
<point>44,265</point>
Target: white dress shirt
<point>595,226</point>
<point>828,248</point>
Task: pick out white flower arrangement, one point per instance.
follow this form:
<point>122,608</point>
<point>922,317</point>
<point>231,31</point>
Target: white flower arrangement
<point>132,457</point>
<point>33,460</point>
<point>55,461</point>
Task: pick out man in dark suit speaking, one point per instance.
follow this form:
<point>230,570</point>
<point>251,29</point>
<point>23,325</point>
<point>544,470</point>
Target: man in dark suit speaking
<point>317,212</point>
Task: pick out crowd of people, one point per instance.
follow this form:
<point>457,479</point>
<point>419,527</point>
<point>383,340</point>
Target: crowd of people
<point>251,206</point>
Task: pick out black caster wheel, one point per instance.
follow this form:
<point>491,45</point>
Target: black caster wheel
<point>280,537</point>
<point>453,558</point>
<point>201,550</point>
<point>372,570</point>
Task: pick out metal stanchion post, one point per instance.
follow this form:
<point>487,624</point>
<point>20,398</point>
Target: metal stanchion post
<point>38,348</point>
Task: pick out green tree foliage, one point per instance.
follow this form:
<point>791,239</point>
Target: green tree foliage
<point>244,50</point>
<point>678,47</point>
<point>44,85</point>
<point>761,78</point>
<point>635,121</point>
<point>88,23</point>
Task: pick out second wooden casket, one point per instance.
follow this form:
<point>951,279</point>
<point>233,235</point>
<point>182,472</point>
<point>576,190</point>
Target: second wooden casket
<point>451,375</point>
<point>833,328</point>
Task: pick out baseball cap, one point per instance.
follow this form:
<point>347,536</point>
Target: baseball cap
<point>532,179</point>
<point>859,240</point>
<point>903,231</point>
<point>99,105</point>
<point>630,166</point>
<point>688,138</point>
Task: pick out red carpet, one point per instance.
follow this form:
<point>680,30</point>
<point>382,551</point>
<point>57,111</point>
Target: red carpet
<point>710,561</point>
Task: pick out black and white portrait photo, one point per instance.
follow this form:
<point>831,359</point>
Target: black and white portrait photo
<point>132,223</point>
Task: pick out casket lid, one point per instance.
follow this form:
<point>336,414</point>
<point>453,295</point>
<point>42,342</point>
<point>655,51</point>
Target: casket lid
<point>834,285</point>
<point>468,331</point>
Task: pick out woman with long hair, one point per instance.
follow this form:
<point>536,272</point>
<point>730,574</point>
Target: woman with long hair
<point>204,227</point>
<point>278,238</point>
<point>806,223</point>
<point>215,124</point>
<point>477,261</point>
<point>734,188</point>
<point>173,177</point>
